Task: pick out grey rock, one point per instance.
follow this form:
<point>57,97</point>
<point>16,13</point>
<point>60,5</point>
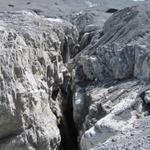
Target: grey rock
<point>109,62</point>
<point>121,50</point>
<point>134,139</point>
<point>85,40</point>
<point>119,106</point>
<point>91,27</point>
<point>31,67</point>
<point>113,70</point>
<point>89,20</point>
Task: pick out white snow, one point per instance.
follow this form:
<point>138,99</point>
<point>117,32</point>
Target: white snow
<point>90,4</point>
<point>55,20</point>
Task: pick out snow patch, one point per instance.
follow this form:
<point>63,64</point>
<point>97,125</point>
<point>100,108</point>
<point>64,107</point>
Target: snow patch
<point>2,28</point>
<point>55,20</point>
<point>90,4</point>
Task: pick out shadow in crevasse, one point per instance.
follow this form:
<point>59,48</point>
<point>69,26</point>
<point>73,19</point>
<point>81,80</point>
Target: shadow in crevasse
<point>67,126</point>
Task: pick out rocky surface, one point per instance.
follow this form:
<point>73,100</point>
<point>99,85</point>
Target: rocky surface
<point>76,84</point>
<point>62,8</point>
<point>135,138</point>
<point>111,83</point>
<point>31,62</point>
